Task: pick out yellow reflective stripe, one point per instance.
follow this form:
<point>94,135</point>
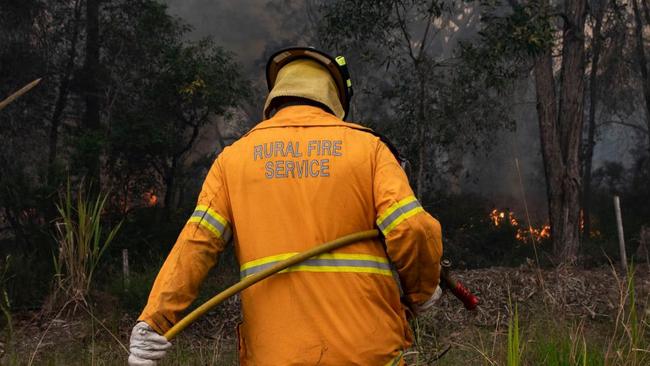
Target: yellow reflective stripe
<point>340,60</point>
<point>205,224</point>
<point>212,221</point>
<point>212,213</point>
<point>265,260</point>
<point>402,217</point>
<point>283,256</point>
<point>395,206</point>
<point>328,262</point>
<point>397,213</point>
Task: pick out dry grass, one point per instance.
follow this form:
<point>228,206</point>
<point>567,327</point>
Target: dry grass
<point>567,325</point>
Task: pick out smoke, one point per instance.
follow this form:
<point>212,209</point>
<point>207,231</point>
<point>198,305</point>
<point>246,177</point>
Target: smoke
<point>251,29</point>
<point>244,27</point>
<point>509,171</point>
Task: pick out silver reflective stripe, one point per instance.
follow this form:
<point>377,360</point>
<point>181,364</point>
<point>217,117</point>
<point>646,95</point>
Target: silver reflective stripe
<point>204,215</point>
<point>321,263</point>
<point>226,233</point>
<point>397,213</point>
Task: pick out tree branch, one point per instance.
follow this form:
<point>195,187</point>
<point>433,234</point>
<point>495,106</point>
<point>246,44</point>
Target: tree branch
<point>188,146</point>
<point>402,25</point>
<point>426,30</point>
<point>646,11</point>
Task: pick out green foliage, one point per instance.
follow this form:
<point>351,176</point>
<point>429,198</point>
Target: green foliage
<point>413,82</point>
<point>514,344</point>
<point>83,239</point>
<point>170,89</point>
<point>631,336</point>
<point>158,92</point>
<point>508,41</point>
<point>562,350</point>
<point>525,31</point>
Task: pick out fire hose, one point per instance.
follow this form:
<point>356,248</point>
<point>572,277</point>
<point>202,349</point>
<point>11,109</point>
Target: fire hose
<point>456,287</point>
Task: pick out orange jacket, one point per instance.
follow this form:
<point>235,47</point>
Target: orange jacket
<point>294,181</point>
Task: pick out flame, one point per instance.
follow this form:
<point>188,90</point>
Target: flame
<point>499,218</point>
<point>150,198</point>
<point>523,234</point>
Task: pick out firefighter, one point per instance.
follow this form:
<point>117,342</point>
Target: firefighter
<point>300,178</point>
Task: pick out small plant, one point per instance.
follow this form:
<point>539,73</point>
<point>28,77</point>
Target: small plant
<point>564,345</point>
<point>82,240</point>
<point>514,346</point>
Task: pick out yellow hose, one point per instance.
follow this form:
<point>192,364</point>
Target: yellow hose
<point>251,280</point>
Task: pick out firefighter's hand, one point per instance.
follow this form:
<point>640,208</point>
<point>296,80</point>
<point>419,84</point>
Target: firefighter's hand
<point>419,309</point>
<point>147,346</point>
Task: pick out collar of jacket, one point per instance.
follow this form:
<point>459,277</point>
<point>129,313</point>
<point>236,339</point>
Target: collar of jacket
<point>304,116</point>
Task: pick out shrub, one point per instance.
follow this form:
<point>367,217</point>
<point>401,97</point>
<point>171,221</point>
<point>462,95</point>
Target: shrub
<point>82,241</point>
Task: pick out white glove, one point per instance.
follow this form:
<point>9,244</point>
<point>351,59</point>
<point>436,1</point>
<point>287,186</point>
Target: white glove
<point>147,346</point>
<point>419,309</point>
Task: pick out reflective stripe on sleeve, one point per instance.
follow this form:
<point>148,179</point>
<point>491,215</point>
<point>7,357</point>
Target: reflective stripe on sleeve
<point>209,219</point>
<point>330,262</point>
<point>397,213</point>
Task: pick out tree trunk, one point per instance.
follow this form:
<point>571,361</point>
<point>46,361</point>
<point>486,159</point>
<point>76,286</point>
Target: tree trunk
<point>91,122</point>
<point>646,11</point>
<point>561,132</point>
<point>551,155</point>
<point>571,119</point>
<point>62,97</point>
<point>591,127</point>
<point>642,62</point>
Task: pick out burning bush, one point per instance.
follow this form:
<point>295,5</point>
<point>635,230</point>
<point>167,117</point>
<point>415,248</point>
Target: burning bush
<point>528,234</point>
<point>476,235</point>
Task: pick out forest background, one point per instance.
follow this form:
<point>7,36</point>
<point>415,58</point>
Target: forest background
<point>521,121</point>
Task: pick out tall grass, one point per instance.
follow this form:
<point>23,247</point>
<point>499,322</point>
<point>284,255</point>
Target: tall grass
<point>629,345</point>
<point>628,341</point>
<point>514,345</point>
<point>83,239</point>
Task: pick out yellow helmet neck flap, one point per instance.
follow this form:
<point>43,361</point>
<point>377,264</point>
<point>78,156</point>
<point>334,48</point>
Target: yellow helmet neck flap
<point>305,78</point>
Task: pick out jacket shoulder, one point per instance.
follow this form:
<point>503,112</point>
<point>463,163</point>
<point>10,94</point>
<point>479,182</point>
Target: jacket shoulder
<point>393,149</point>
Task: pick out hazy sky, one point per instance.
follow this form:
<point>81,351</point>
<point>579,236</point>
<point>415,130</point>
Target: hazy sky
<point>244,27</point>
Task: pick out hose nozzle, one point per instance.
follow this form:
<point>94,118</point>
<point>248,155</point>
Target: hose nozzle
<point>469,300</point>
